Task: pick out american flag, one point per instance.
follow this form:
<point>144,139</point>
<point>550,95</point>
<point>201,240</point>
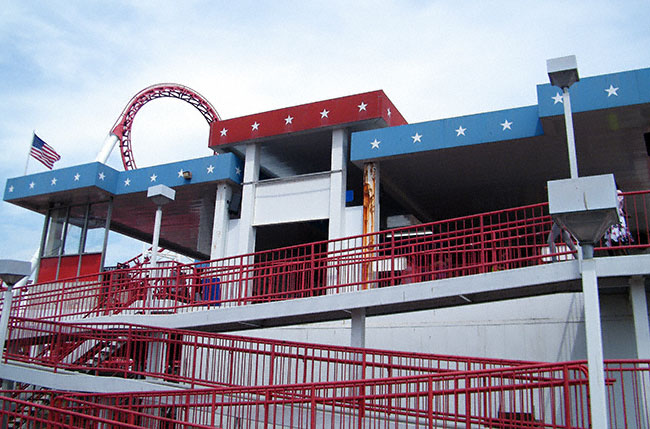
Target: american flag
<point>44,152</point>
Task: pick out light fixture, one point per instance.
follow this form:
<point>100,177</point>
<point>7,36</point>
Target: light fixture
<point>563,71</point>
<point>187,175</point>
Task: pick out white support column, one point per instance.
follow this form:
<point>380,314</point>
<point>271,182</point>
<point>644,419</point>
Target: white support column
<point>4,318</point>
<point>251,176</point>
<point>640,314</point>
<point>220,223</point>
<point>358,328</point>
<point>594,345</point>
<point>338,178</point>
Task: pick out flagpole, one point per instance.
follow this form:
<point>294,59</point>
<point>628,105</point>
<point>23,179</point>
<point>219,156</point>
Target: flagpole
<point>29,152</point>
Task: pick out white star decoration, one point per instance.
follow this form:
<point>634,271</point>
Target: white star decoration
<point>288,120</point>
<point>11,188</point>
<point>388,112</point>
<point>210,169</point>
<point>101,175</point>
<point>417,138</point>
<point>238,171</point>
<point>53,181</point>
<point>460,131</point>
<point>362,106</point>
<point>127,182</point>
<point>324,113</point>
<point>506,125</point>
<point>611,91</point>
<point>224,132</point>
<point>255,126</point>
<point>558,99</point>
<point>375,144</point>
<point>31,185</point>
<point>76,177</point>
<point>153,177</point>
<point>180,173</point>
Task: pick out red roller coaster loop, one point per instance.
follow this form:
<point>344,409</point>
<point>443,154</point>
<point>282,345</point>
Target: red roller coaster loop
<point>122,128</point>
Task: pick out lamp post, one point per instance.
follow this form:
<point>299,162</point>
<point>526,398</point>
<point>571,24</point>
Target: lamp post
<point>563,72</point>
<point>159,195</point>
<point>586,207</point>
<point>11,272</point>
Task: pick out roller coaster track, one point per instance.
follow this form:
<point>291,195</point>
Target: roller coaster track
<point>122,128</point>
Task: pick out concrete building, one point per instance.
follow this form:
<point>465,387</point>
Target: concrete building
<point>345,225</point>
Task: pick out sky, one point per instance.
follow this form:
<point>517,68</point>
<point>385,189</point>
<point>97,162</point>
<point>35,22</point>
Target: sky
<point>68,68</point>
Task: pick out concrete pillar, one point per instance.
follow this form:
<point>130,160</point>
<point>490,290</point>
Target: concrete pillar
<point>338,178</point>
<point>251,176</point>
<point>593,330</point>
<point>370,220</point>
<point>640,314</point>
<point>206,216</point>
<point>358,328</point>
<point>220,222</point>
<point>370,197</point>
<point>4,319</point>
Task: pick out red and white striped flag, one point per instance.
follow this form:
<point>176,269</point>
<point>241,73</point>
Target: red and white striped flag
<point>43,152</point>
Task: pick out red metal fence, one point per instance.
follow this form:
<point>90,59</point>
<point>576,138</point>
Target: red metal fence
<point>539,396</point>
<point>475,244</point>
<point>213,360</point>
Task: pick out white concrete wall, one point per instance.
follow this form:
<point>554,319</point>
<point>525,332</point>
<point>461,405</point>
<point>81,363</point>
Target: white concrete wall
<point>546,328</point>
<point>295,199</point>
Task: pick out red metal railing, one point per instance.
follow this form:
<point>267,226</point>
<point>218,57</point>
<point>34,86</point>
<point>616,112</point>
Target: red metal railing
<point>209,359</point>
<point>492,241</point>
<point>538,396</point>
<point>532,396</point>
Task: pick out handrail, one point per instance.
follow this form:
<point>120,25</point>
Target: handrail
<point>496,240</point>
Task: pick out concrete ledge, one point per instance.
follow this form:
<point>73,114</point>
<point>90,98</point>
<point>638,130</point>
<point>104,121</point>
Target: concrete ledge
<point>78,382</point>
<point>544,279</point>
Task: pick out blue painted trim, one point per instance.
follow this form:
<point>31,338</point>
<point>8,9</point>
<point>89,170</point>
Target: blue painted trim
<point>591,93</point>
<point>627,88</point>
<point>208,169</point>
<point>446,133</point>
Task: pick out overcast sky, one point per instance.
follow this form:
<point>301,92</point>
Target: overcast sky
<point>68,68</point>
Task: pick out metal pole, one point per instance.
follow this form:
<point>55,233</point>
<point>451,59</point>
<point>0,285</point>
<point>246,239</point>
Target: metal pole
<point>154,255</point>
<point>4,318</point>
<point>570,138</point>
<point>597,394</point>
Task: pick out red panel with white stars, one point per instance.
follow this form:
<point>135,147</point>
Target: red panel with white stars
<point>322,114</point>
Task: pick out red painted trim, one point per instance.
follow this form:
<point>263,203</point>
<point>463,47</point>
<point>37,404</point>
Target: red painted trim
<point>322,114</point>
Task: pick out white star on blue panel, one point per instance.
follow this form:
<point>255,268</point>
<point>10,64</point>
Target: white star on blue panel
<point>612,90</point>
<point>375,144</point>
<point>31,185</point>
<point>153,177</point>
<point>558,99</point>
<point>460,131</point>
<point>101,175</point>
<point>506,125</point>
<point>210,169</point>
<point>417,138</point>
<point>76,177</point>
<point>11,188</point>
<point>127,182</point>
<point>180,173</point>
<point>53,181</point>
